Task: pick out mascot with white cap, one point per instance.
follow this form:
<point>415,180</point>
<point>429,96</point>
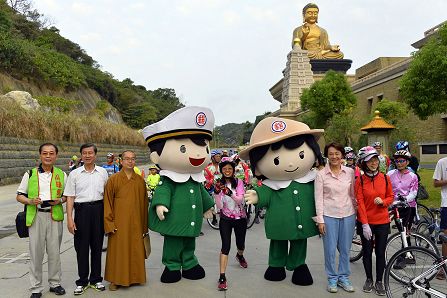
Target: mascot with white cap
<point>179,145</point>
<point>283,153</point>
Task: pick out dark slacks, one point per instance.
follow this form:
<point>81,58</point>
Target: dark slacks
<point>88,238</point>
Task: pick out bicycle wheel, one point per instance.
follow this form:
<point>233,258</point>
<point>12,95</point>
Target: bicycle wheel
<point>425,267</point>
<point>356,252</point>
<point>423,214</point>
<point>394,244</point>
<point>426,229</point>
<point>252,213</point>
<point>214,221</point>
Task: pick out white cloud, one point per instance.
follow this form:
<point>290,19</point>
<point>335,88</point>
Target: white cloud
<point>231,18</point>
<point>81,8</point>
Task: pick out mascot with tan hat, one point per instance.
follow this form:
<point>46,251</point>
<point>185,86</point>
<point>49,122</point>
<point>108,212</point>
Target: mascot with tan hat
<point>283,153</point>
<point>179,146</point>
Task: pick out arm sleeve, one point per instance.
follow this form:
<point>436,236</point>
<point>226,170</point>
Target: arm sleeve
<point>23,187</point>
<point>238,197</point>
<point>414,185</point>
<point>70,188</point>
<point>264,193</point>
<point>389,195</point>
<point>319,200</point>
<point>144,208</point>
<point>207,200</point>
<point>437,175</point>
<point>361,211</point>
<point>109,216</point>
<point>218,200</point>
<point>162,195</point>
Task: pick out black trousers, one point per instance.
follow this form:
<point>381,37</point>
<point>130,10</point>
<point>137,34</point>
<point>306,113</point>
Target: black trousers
<point>88,238</point>
<point>225,228</point>
<point>378,243</point>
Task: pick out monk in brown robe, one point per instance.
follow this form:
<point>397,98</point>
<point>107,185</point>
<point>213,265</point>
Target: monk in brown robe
<point>125,222</point>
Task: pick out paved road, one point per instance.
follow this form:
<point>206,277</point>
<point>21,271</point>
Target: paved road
<point>14,279</point>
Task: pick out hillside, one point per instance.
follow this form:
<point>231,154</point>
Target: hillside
<point>37,59</point>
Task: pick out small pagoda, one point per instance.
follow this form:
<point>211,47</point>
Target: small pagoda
<point>378,130</point>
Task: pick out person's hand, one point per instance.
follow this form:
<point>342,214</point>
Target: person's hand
<point>160,209</point>
<point>367,233</point>
<point>378,201</point>
<point>112,232</point>
<point>251,197</point>
<point>35,201</point>
<point>55,202</point>
<point>208,214</point>
<point>71,226</point>
<point>322,228</point>
<point>228,191</point>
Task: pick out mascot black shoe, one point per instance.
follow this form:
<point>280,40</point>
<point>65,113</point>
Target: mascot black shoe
<point>169,276</point>
<point>196,272</point>
<point>275,273</point>
<point>301,276</point>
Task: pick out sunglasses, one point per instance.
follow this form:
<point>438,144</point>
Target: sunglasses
<point>400,160</point>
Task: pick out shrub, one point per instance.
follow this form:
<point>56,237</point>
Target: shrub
<point>58,103</point>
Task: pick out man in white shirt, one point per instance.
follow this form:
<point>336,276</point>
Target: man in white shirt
<point>84,191</point>
<point>41,188</point>
<point>440,180</point>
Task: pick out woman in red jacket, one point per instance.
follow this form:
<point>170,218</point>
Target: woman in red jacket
<point>374,194</point>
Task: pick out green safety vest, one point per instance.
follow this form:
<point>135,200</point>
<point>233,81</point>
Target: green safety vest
<point>56,189</point>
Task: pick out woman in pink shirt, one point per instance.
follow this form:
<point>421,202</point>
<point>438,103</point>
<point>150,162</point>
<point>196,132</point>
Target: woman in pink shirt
<point>335,207</point>
<point>229,197</point>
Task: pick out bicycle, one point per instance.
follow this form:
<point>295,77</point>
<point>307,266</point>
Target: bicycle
<point>431,229</point>
<point>423,214</point>
<point>214,221</point>
<point>396,241</point>
<point>418,279</point>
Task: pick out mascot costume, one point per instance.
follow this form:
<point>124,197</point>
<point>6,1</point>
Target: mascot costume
<point>179,145</point>
<point>283,153</point>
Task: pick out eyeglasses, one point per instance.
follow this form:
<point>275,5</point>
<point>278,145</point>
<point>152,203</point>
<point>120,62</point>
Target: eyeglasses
<point>400,160</point>
<point>129,159</point>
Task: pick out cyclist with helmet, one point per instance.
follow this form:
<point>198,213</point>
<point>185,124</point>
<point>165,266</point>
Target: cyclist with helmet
<point>414,162</point>
<point>374,194</point>
<point>229,196</point>
<point>110,165</point>
<point>351,160</point>
<point>212,174</point>
<point>383,158</point>
<point>405,185</point>
<point>72,163</point>
<point>242,170</point>
<point>153,178</point>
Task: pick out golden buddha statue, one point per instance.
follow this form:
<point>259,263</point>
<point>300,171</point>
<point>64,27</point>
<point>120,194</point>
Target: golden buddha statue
<point>313,38</point>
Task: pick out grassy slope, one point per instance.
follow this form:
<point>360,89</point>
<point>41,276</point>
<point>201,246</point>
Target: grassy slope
<point>434,199</point>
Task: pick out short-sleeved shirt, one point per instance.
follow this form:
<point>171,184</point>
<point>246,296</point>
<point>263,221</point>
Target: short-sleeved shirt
<point>441,174</point>
<point>44,184</point>
<point>86,186</point>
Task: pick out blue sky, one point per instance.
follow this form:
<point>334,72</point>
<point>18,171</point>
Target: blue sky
<point>226,54</point>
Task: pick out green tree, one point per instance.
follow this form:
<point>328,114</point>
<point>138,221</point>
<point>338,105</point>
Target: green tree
<point>342,127</point>
<point>328,97</point>
<point>138,115</point>
<point>392,111</point>
<point>424,85</point>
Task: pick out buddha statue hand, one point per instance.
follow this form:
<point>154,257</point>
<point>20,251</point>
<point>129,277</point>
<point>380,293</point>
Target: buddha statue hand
<point>335,48</point>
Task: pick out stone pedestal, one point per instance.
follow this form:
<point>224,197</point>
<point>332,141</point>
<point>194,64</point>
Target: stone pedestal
<point>297,76</point>
<point>323,65</point>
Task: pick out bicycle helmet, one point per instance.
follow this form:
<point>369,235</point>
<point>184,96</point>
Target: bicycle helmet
<point>348,149</point>
<point>377,144</point>
<point>350,155</point>
<point>366,153</point>
<point>402,145</point>
<point>110,154</point>
<point>403,154</point>
<point>152,166</point>
<point>214,152</point>
<point>74,158</point>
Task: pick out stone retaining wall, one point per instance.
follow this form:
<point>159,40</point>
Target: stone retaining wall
<point>20,155</point>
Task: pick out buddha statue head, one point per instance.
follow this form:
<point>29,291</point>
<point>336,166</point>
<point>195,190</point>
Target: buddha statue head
<point>310,13</point>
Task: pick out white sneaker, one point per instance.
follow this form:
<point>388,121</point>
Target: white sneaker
<point>79,290</point>
<point>99,286</point>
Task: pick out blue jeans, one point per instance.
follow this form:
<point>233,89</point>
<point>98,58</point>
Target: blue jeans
<point>339,233</point>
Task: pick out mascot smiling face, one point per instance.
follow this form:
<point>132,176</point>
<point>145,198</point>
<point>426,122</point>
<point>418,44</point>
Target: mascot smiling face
<point>184,155</point>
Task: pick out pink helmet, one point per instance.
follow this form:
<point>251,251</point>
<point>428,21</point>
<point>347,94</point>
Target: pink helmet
<point>366,153</point>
